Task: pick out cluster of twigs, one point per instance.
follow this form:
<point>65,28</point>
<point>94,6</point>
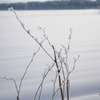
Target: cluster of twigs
<point>59,61</point>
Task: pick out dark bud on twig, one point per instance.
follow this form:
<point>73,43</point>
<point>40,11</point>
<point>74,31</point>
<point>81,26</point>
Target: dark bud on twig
<point>17,98</point>
<point>58,71</point>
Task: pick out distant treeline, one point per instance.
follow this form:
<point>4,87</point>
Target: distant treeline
<point>50,5</point>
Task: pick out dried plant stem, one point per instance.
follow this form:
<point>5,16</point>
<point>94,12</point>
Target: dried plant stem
<point>66,77</point>
<point>54,82</point>
<point>18,89</point>
<point>44,76</point>
<point>67,89</point>
<point>27,69</point>
<point>5,78</point>
<point>58,73</point>
<point>55,60</point>
<point>28,31</point>
<point>59,61</point>
<point>40,44</point>
<point>40,92</point>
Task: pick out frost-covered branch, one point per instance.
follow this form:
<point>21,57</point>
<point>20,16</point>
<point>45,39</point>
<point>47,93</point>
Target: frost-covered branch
<point>28,31</point>
<point>27,68</point>
<point>75,59</point>
<point>44,76</point>
<point>58,60</point>
<point>6,78</point>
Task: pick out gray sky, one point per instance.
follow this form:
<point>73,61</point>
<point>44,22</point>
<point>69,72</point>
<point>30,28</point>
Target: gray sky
<point>10,1</point>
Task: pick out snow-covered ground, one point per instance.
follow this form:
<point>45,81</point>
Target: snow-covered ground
<point>16,49</point>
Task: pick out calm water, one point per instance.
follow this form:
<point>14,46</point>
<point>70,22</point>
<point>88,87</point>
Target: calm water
<point>16,49</point>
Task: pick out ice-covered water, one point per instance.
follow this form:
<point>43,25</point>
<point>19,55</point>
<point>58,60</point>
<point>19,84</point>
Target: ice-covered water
<point>17,47</point>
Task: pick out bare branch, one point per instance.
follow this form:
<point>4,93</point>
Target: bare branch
<point>18,89</point>
<point>54,82</point>
<point>66,77</point>
<point>40,92</point>
<point>28,31</point>
<point>59,77</point>
<point>5,78</point>
<point>27,68</point>
<point>75,59</point>
<point>58,60</point>
<point>44,76</point>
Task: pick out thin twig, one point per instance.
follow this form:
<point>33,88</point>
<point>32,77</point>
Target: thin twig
<point>18,89</point>
<point>28,31</point>
<point>44,76</point>
<point>27,68</point>
<point>40,44</point>
<point>66,77</point>
<point>40,92</point>
<point>59,77</point>
<point>5,78</point>
<point>54,82</point>
<point>67,88</point>
<point>58,60</point>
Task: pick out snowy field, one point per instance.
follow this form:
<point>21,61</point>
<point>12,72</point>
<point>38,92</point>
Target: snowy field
<point>17,47</point>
